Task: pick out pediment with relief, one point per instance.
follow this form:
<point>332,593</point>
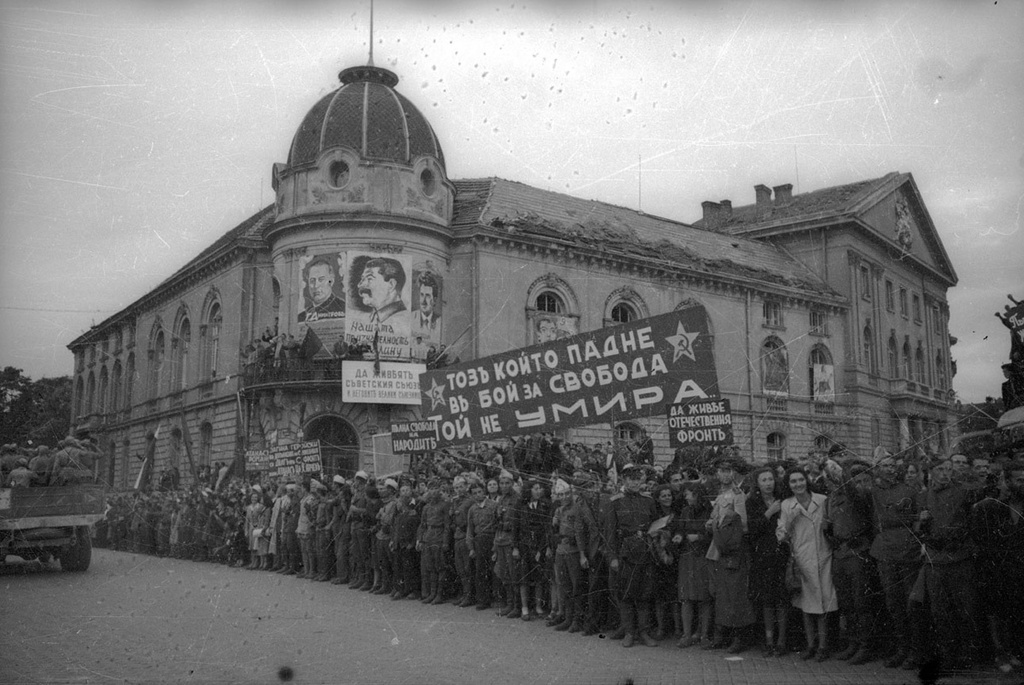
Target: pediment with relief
<point>899,218</point>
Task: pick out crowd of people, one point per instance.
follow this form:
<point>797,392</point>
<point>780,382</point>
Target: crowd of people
<point>884,559</point>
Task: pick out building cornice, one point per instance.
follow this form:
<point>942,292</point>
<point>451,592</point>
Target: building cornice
<point>667,272</point>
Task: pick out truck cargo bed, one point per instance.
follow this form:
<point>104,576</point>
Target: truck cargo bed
<point>20,504</point>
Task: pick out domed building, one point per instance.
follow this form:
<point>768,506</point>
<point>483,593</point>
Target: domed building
<point>311,322</point>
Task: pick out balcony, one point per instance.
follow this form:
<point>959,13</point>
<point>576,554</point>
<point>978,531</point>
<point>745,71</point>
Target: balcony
<point>309,371</point>
<point>776,405</point>
<point>291,371</point>
<point>824,409</point>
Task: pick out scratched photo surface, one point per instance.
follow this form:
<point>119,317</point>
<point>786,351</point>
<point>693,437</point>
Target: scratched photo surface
<point>135,134</point>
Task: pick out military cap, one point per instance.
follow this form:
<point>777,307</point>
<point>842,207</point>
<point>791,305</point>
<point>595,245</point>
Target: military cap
<point>630,471</point>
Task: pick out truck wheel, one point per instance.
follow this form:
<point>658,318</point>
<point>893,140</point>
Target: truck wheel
<point>77,557</point>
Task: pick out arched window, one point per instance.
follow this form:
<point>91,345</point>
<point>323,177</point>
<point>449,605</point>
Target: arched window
<point>869,349</point>
<point>115,387</point>
<point>774,367</point>
<point>79,396</point>
<point>129,381</point>
<point>101,399</point>
<point>211,341</point>
<point>894,358</point>
<point>156,363</point>
<point>776,444</point>
<point>205,443</point>
<point>940,372</point>
<point>550,302</point>
<point>823,444</point>
<point>174,453</point>
<point>821,375</point>
<point>275,288</point>
<point>627,432</point>
<point>90,394</point>
<point>182,343</point>
<point>922,374</point>
<point>623,313</point>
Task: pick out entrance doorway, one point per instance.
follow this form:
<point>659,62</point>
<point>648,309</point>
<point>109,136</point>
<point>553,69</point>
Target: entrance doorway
<point>339,444</point>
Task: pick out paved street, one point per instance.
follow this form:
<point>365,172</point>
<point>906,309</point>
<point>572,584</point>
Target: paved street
<point>139,619</point>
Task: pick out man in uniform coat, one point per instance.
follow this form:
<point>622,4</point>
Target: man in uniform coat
<point>340,530</point>
<point>631,514</point>
<point>481,523</point>
<point>463,562</point>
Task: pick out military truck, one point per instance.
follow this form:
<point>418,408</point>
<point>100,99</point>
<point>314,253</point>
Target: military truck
<point>53,521</point>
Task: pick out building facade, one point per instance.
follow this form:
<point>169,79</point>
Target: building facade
<point>827,309</point>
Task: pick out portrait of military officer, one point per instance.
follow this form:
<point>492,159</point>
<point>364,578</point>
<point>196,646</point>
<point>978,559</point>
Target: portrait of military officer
<point>321,302</point>
<point>380,288</point>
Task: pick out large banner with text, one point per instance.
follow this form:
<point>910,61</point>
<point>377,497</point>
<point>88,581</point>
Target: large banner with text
<point>383,383</point>
<point>700,423</point>
<point>286,460</point>
<point>623,372</point>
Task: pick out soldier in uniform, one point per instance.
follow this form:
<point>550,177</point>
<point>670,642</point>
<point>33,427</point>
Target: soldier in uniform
<point>340,531</point>
<point>567,558</point>
<point>324,542</point>
<point>481,522</point>
<point>385,579</point>
<point>463,562</point>
<point>432,541</point>
<point>407,523</point>
<point>631,514</point>
<point>591,537</point>
<point>507,567</point>
<point>289,538</point>
<point>359,550</point>
<point>894,509</point>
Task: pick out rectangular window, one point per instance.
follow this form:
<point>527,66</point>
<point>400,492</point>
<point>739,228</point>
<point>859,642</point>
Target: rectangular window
<point>819,322</point>
<point>937,319</point>
<point>865,282</point>
<point>772,314</point>
<point>890,296</point>
<point>917,308</point>
<point>903,302</point>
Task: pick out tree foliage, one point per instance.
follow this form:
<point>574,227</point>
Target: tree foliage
<point>39,411</point>
<point>981,416</point>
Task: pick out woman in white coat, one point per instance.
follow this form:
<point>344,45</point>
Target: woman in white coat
<point>802,525</point>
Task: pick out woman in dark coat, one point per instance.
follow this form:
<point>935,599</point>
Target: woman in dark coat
<point>666,566</point>
<point>733,610</point>
<point>693,581</point>
<point>530,524</point>
<point>768,560</point>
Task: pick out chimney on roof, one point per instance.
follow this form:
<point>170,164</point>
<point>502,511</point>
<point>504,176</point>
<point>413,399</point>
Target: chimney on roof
<point>712,211</point>
<point>726,210</point>
<point>783,194</point>
<point>763,208</point>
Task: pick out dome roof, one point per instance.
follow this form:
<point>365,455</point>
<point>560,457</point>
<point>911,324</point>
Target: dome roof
<point>369,116</point>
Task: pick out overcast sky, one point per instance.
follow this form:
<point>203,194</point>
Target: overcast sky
<point>133,135</point>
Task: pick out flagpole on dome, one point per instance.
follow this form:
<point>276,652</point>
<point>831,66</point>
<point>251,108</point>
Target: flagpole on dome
<point>370,62</point>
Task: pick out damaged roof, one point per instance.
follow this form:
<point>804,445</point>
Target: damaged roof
<point>811,206</point>
<point>516,209</point>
